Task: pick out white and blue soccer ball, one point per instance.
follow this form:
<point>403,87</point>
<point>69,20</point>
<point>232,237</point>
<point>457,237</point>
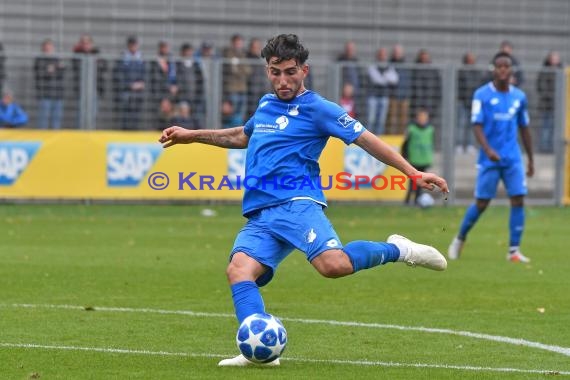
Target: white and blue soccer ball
<point>425,200</point>
<point>261,338</point>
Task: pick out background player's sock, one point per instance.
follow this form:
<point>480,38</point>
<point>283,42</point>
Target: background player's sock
<point>247,299</point>
<point>516,225</point>
<point>469,220</point>
<point>367,254</point>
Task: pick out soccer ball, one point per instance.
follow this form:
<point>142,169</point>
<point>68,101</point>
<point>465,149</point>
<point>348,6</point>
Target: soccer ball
<point>261,338</point>
<point>425,200</point>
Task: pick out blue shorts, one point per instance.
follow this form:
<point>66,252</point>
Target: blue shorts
<point>513,177</point>
<point>272,233</point>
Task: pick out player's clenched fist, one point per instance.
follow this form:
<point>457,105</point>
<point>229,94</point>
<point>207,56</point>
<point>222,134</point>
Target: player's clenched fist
<point>175,135</point>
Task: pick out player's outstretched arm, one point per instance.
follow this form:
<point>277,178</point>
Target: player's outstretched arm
<point>385,153</point>
<point>224,138</point>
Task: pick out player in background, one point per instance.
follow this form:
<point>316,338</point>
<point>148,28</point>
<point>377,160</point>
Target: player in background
<point>284,140</point>
<point>499,113</point>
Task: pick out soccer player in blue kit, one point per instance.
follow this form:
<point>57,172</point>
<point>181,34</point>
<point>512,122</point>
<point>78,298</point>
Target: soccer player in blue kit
<point>284,139</point>
<point>499,112</point>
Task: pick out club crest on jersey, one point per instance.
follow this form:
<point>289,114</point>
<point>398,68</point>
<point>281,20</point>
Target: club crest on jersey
<point>293,109</point>
<point>345,120</point>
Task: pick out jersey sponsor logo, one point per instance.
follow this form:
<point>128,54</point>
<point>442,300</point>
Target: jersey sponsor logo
<point>345,120</point>
<point>15,157</point>
<point>504,116</point>
<point>293,109</point>
<point>282,122</point>
<point>128,163</point>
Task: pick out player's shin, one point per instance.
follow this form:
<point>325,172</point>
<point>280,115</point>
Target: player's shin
<point>367,254</point>
<point>469,220</point>
<point>247,299</point>
<point>516,225</point>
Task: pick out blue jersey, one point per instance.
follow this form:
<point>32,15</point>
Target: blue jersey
<point>501,114</point>
<point>286,141</point>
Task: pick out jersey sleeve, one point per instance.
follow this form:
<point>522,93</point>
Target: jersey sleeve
<point>333,120</point>
<point>248,127</point>
<point>477,116</point>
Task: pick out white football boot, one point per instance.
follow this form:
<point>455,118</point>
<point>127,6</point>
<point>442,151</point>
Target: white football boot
<point>517,257</point>
<point>419,254</point>
<point>454,250</point>
<point>241,361</point>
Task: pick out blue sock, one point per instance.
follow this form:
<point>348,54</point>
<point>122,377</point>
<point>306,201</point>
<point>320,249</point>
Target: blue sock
<point>516,225</point>
<point>247,299</point>
<point>367,254</point>
<point>469,220</point>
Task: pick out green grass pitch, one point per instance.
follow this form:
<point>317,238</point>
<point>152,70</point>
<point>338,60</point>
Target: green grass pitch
<point>139,292</point>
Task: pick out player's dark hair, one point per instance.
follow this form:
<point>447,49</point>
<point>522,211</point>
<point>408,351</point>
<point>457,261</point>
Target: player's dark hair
<point>285,47</point>
<point>502,54</point>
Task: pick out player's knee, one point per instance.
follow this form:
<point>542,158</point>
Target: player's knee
<point>334,269</point>
<point>236,273</point>
<point>482,204</point>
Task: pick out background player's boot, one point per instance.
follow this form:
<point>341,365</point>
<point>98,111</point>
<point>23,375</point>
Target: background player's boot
<point>241,361</point>
<point>454,250</point>
<point>419,254</point>
<point>517,257</point>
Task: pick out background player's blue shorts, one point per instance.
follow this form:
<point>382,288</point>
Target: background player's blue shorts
<point>272,233</point>
<point>513,177</point>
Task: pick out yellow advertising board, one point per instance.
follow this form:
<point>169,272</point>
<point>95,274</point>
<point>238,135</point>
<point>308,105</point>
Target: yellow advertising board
<point>133,166</point>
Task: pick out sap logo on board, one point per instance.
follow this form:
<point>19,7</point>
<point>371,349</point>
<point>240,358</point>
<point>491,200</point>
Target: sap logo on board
<point>14,159</point>
<point>358,162</point>
<point>129,163</point>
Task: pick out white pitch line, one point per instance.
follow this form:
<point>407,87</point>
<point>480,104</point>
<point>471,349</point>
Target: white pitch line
<point>494,338</point>
<point>322,361</point>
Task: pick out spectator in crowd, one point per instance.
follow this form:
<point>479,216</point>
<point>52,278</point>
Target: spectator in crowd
<point>49,80</point>
<point>11,114</point>
<point>426,87</point>
<point>190,80</point>
<point>257,85</point>
<point>163,74</point>
<point>400,93</point>
<point>347,100</point>
<point>518,77</point>
<point>165,114</point>
<point>2,67</point>
<point>350,72</point>
<point>380,76</point>
<point>229,118</point>
<point>235,75</point>
<point>205,56</point>
<point>183,116</point>
<point>85,46</point>
<point>418,149</point>
<point>469,78</point>
<point>130,81</point>
<point>546,88</point>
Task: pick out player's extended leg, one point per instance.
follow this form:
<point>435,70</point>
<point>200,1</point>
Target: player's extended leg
<point>471,216</point>
<point>516,229</point>
<point>361,254</point>
<point>242,272</point>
